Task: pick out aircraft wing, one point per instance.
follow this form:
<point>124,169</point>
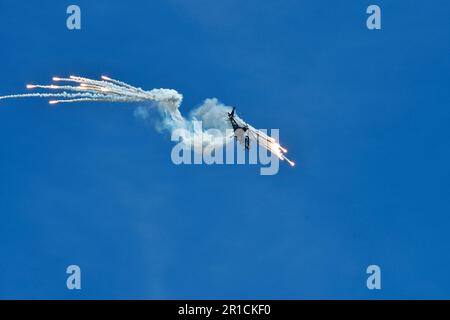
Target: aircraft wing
<point>260,136</point>
<point>254,133</point>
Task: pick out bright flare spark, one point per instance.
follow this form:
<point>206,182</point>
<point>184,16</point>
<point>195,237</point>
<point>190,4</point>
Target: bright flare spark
<point>101,90</point>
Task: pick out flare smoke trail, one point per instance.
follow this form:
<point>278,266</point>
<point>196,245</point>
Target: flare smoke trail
<point>167,100</point>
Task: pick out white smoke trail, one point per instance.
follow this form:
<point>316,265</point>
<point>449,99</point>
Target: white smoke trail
<point>212,114</point>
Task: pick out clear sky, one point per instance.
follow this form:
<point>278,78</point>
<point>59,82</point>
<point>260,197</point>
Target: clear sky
<point>365,114</point>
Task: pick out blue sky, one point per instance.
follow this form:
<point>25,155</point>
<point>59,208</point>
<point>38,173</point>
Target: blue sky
<point>364,114</point>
